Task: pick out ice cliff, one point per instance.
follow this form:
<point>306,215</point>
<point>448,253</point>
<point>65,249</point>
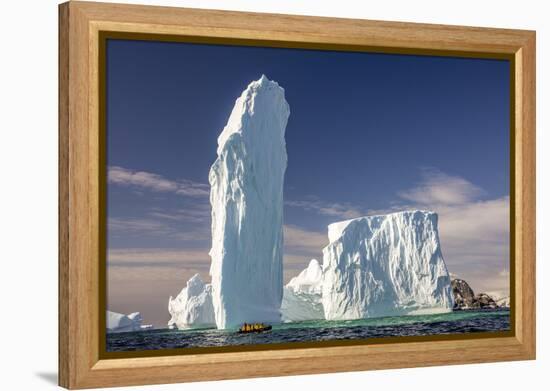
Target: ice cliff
<point>302,295</point>
<point>119,323</point>
<point>192,308</point>
<point>247,208</point>
<point>384,266</point>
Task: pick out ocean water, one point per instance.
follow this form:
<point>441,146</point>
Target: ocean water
<point>457,322</point>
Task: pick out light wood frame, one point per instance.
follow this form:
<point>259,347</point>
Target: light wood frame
<point>80,24</point>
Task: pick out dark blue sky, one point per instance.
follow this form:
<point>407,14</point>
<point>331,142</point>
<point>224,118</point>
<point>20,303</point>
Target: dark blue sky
<point>361,124</point>
<point>363,127</point>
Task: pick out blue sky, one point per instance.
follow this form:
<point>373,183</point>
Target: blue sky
<point>368,133</point>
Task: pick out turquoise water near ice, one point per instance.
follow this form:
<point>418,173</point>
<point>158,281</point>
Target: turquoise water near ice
<point>458,322</point>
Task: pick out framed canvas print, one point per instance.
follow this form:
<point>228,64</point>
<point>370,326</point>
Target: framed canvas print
<point>247,195</point>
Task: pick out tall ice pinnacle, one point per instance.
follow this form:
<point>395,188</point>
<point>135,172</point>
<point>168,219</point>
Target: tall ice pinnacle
<point>247,208</point>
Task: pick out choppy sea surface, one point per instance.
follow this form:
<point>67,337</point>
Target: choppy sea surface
<point>457,322</point>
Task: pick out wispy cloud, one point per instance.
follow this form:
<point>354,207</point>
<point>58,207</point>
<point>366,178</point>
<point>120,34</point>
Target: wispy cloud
<point>301,245</point>
<point>146,180</point>
<point>438,188</point>
<point>302,241</point>
<point>475,241</point>
<point>199,213</point>
<point>116,224</point>
<point>336,209</point>
<point>497,282</point>
<point>158,226</point>
<point>474,232</point>
<point>157,257</point>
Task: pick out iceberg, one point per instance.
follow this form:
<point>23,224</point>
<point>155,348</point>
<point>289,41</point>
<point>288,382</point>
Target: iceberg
<point>302,295</point>
<point>387,265</point>
<point>120,323</point>
<point>192,307</point>
<point>309,279</point>
<point>247,208</point>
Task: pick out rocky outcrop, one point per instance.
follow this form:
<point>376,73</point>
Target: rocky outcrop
<point>466,299</point>
<point>464,296</point>
<point>483,300</point>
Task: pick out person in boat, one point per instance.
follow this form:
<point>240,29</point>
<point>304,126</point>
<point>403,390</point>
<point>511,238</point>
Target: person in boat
<point>250,327</point>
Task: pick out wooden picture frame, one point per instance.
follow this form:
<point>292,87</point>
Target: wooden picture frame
<point>81,25</point>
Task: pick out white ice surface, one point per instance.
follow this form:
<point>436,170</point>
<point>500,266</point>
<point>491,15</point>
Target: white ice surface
<point>247,208</point>
<point>302,295</point>
<point>385,265</point>
<point>192,307</point>
<point>119,323</point>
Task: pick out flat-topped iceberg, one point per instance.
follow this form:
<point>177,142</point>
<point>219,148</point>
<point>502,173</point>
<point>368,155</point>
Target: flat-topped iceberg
<point>192,307</point>
<point>120,323</point>
<point>247,208</point>
<point>302,295</point>
<point>386,265</point>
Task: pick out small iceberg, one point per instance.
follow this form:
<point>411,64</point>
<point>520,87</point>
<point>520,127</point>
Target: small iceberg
<point>120,323</point>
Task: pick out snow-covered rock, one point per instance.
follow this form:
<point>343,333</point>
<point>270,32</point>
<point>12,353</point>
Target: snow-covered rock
<point>503,302</point>
<point>119,323</point>
<point>386,265</point>
<point>485,301</point>
<point>302,295</point>
<point>247,208</point>
<point>192,307</point>
<point>466,299</point>
<point>464,296</point>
